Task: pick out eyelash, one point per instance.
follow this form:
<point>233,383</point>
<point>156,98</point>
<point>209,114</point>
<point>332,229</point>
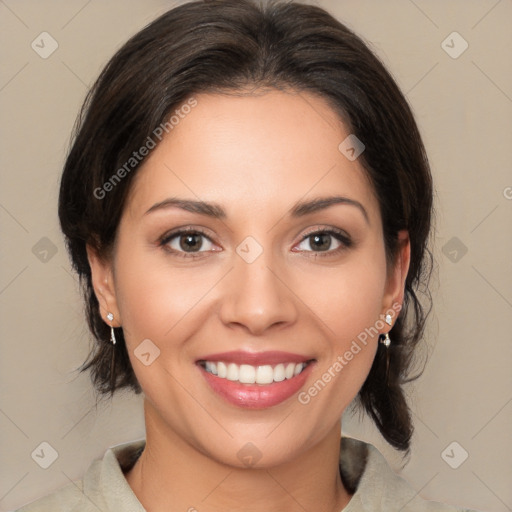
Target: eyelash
<point>339,235</point>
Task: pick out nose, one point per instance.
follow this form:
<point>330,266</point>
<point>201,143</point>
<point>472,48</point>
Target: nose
<point>256,297</point>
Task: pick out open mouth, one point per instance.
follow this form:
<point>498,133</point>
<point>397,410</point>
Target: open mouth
<point>255,380</point>
<point>250,374</point>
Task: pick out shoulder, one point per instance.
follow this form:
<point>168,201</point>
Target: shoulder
<point>377,486</point>
<point>71,497</point>
<point>103,486</point>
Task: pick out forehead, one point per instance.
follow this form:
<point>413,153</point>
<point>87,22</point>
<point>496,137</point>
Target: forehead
<point>252,150</point>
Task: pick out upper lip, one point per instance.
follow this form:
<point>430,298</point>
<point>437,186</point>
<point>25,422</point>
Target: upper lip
<point>256,358</point>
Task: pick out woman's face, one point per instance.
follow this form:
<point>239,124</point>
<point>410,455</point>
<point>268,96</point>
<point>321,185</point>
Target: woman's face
<point>273,277</point>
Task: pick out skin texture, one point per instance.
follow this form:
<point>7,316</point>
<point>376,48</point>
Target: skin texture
<point>256,155</point>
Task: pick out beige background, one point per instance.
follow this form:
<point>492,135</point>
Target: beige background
<point>464,109</point>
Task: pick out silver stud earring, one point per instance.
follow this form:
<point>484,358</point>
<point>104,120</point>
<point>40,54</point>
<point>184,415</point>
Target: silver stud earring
<point>388,319</point>
<point>110,317</point>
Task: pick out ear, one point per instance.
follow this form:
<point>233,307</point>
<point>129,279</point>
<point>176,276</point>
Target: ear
<point>395,284</point>
<point>103,284</point>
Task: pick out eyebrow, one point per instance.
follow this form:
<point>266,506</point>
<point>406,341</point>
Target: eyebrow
<point>300,209</point>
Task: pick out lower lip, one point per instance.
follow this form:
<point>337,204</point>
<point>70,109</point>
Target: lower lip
<point>255,396</point>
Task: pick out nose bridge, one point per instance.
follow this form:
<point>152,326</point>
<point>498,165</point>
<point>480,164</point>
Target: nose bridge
<point>256,295</point>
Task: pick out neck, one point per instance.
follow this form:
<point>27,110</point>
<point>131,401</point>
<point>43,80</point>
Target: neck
<point>172,471</point>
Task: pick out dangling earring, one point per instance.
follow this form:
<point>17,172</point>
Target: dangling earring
<point>384,338</point>
<point>110,317</point>
<point>386,341</point>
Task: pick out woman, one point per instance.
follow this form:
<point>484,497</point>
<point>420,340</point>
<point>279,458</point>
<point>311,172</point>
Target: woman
<point>247,203</point>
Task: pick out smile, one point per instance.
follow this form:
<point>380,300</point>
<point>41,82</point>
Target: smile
<point>255,380</point>
<point>249,374</point>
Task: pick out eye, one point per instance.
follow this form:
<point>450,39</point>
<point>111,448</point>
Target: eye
<point>330,241</point>
<point>186,242</point>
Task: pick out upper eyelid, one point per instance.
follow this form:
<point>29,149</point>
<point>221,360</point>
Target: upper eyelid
<point>325,229</point>
<point>183,230</point>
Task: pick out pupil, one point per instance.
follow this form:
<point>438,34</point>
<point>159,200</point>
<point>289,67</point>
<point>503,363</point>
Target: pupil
<point>190,243</point>
<point>322,241</point>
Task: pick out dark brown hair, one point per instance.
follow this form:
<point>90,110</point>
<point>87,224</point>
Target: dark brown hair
<point>232,45</point>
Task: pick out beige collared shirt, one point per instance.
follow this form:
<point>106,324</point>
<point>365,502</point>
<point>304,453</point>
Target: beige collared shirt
<point>363,470</point>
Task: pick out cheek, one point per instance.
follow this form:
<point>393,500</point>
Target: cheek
<point>160,304</point>
<point>168,305</point>
<point>349,304</point>
<point>347,299</point>
<point>154,299</point>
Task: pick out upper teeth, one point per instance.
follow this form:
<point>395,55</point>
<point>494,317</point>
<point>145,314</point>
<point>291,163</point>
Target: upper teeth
<point>247,374</point>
